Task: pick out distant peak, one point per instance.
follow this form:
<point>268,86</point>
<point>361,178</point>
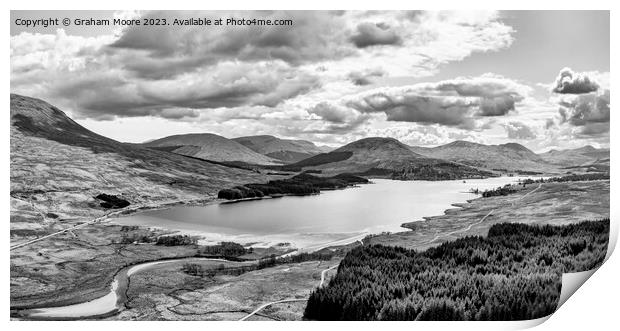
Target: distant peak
<point>515,146</point>
<point>378,139</point>
<point>262,136</point>
<point>587,148</point>
<point>462,143</point>
<point>375,141</point>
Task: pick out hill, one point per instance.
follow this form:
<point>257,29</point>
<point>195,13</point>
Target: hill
<point>514,273</point>
<point>509,157</point>
<point>58,168</point>
<point>210,147</point>
<point>386,157</point>
<point>586,156</point>
<point>286,150</point>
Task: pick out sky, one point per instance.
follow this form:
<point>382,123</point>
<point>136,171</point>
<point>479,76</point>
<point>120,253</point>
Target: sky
<point>538,78</point>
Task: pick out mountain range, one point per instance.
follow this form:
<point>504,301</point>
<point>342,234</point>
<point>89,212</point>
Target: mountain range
<point>379,154</point>
<point>286,150</point>
<point>576,157</point>
<point>53,156</point>
<point>387,157</point>
<point>504,157</point>
<point>210,147</point>
<point>58,165</point>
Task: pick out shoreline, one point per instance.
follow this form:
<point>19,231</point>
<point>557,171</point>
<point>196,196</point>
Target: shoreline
<point>206,202</point>
<point>405,226</point>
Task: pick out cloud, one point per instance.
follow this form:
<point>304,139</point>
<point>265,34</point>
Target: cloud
<point>497,94</point>
<point>339,118</point>
<point>408,107</point>
<point>314,36</point>
<point>496,106</point>
<point>455,102</point>
<point>73,73</point>
<point>365,77</point>
<point>518,130</point>
<point>189,71</point>
<point>588,111</point>
<point>570,82</point>
<point>549,123</point>
<point>369,34</point>
<point>333,113</point>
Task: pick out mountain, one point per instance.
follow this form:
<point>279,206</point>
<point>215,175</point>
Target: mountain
<point>386,157</point>
<point>585,158</point>
<point>210,147</point>
<point>286,150</point>
<point>58,167</point>
<point>510,157</point>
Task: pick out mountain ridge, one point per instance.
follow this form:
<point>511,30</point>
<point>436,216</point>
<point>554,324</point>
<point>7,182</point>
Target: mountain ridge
<point>387,157</point>
<point>58,166</point>
<point>286,150</point>
<point>509,156</point>
<point>210,146</point>
<point>578,157</point>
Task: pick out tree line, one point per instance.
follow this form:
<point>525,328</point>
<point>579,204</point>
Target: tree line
<point>439,171</point>
<point>302,184</point>
<point>500,191</point>
<point>569,178</point>
<point>199,270</point>
<point>509,189</point>
<point>512,274</point>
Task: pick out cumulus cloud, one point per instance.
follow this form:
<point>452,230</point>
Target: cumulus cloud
<point>339,118</point>
<point>73,72</point>
<point>181,72</point>
<point>315,35</point>
<point>333,113</point>
<point>570,82</point>
<point>497,95</point>
<point>588,111</point>
<point>408,107</point>
<point>369,34</point>
<point>549,123</point>
<point>362,78</point>
<point>518,130</point>
<point>226,85</point>
<point>455,102</point>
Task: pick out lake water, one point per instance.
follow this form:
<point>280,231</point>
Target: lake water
<point>312,222</point>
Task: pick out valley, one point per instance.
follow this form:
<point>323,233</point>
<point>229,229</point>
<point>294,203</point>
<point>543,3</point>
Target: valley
<point>60,172</point>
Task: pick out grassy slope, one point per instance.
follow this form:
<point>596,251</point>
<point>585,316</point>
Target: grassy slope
<point>287,150</point>
<point>386,157</point>
<point>552,203</point>
<point>507,156</point>
<point>57,166</point>
<point>211,147</point>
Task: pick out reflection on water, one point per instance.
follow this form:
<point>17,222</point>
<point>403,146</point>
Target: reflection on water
<point>312,221</point>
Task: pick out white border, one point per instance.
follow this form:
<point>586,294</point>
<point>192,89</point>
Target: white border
<point>592,307</point>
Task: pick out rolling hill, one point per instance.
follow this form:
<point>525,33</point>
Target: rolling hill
<point>509,157</point>
<point>210,146</point>
<point>58,167</point>
<point>286,150</point>
<point>576,157</point>
<point>386,157</point>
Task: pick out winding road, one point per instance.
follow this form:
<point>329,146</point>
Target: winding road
<point>93,221</point>
<point>70,229</point>
<point>323,273</point>
<point>443,235</point>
